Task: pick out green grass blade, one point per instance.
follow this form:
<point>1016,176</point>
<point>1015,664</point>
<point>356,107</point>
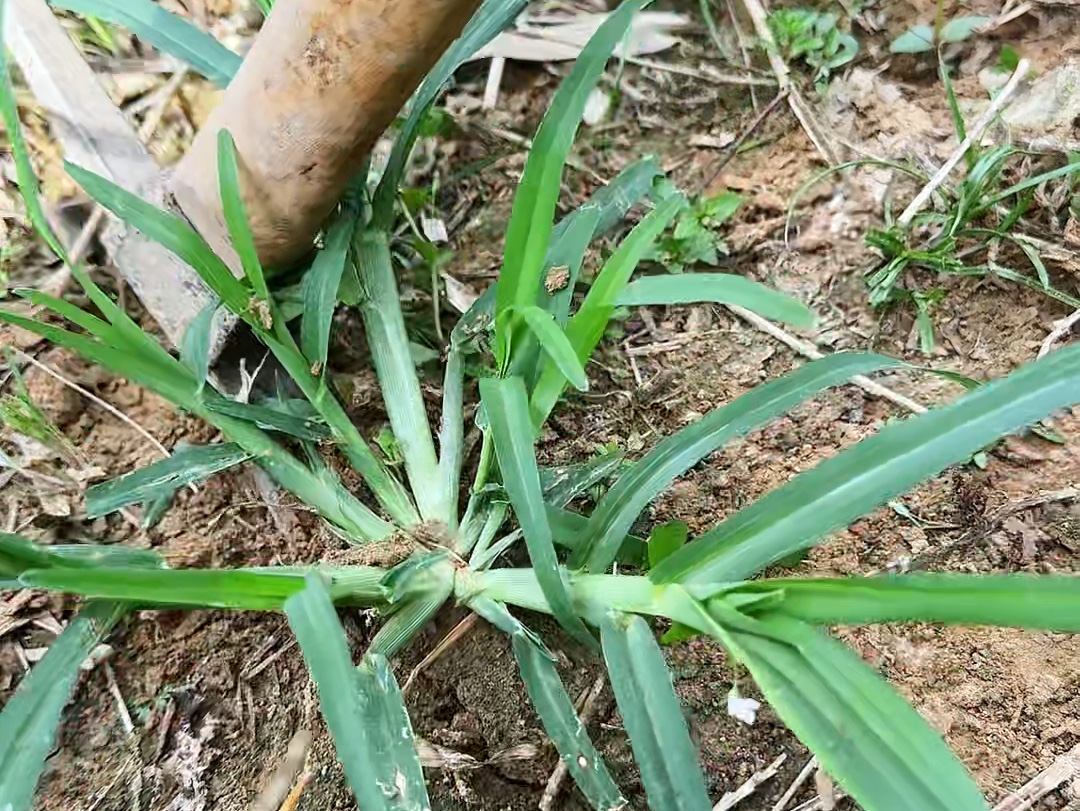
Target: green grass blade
<point>555,708</point>
<point>186,466</point>
<point>362,706</point>
<point>555,344</point>
<point>531,221</point>
<point>320,286</point>
<point>863,477</point>
<point>165,31</point>
<point>168,230</point>
<point>508,414</point>
<point>720,288</point>
<point>111,555</point>
<point>565,483</point>
<point>666,539</point>
<point>491,18</point>
<point>1024,185</point>
<point>652,716</point>
<point>17,554</point>
<point>653,474</point>
<point>312,429</point>
<point>195,345</point>
<point>868,738</point>
<point>236,219</point>
<point>30,719</point>
<point>1013,600</point>
<point>569,531</point>
<point>586,327</point>
<point>957,116</point>
<point>568,251</point>
<point>65,309</point>
<point>452,431</point>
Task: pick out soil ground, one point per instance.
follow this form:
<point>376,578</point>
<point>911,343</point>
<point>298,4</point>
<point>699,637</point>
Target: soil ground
<point>216,698</point>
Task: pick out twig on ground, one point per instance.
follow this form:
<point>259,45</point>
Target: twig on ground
<point>558,776</point>
<point>810,351</point>
<point>708,75</point>
<point>796,784</point>
<point>973,136</point>
<point>732,798</point>
<point>121,707</point>
<point>494,80</point>
<point>276,792</point>
<point>732,149</point>
<point>448,641</point>
<point>1064,768</point>
<point>1062,327</point>
<point>744,45</point>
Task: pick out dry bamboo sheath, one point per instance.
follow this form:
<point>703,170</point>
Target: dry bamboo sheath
<point>321,83</point>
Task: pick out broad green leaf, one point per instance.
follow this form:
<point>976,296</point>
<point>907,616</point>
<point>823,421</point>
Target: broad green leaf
<point>919,39</point>
<point>863,477</point>
<point>652,716</point>
<point>195,345</point>
<point>586,327</point>
<point>488,21</point>
<point>569,531</point>
<point>555,708</point>
<point>653,474</point>
<point>312,429</point>
<point>960,28</point>
<point>1013,600</point>
<point>320,286</point>
<point>555,344</point>
<point>565,483</point>
<point>530,227</point>
<point>362,706</point>
<point>30,719</point>
<point>185,466</point>
<point>666,539</point>
<point>720,288</point>
<point>868,738</point>
<point>164,30</point>
<point>236,219</point>
<point>168,230</point>
<point>508,414</point>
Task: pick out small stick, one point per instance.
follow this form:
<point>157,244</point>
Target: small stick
<point>1062,327</point>
<point>121,707</point>
<point>733,148</point>
<point>447,642</point>
<point>732,798</point>
<point>277,790</point>
<point>744,47</point>
<point>1064,768</point>
<point>809,350</point>
<point>974,134</point>
<point>797,784</point>
<point>554,783</point>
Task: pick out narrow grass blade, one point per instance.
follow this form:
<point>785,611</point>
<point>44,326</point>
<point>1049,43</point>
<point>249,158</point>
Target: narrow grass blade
<point>653,474</point>
<point>30,719</point>
<point>452,431</point>
<point>168,230</point>
<point>19,554</point>
<point>586,327</point>
<point>491,18</point>
<point>65,309</point>
<point>1014,600</point>
<point>954,110</point>
<point>652,716</point>
<point>1024,185</point>
<point>362,706</point>
<point>219,588</point>
<point>312,429</point>
<point>416,613</point>
<point>165,31</point>
<point>720,288</point>
<point>555,344</point>
<point>508,414</point>
<point>871,741</point>
<point>236,220</point>
<point>187,465</point>
<point>570,531</point>
<point>867,475</point>
<point>555,708</point>
<point>320,287</point>
<point>530,227</point>
<point>567,252</point>
<point>195,345</point>
<point>565,483</point>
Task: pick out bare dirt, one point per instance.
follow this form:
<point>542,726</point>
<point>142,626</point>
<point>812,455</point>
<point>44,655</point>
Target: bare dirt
<point>216,698</point>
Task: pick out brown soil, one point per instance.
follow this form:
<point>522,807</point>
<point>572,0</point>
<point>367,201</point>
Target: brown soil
<point>216,698</point>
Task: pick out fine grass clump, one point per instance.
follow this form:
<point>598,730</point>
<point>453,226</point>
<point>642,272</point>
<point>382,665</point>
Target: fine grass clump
<point>533,342</point>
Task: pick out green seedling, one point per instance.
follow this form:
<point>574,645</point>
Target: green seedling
<point>694,239</point>
<point>877,747</point>
<point>813,37</point>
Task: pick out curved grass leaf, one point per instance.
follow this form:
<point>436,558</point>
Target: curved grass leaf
<point>569,531</point>
<point>863,477</point>
<point>565,483</point>
<point>320,286</point>
<point>362,706</point>
<point>164,30</point>
<point>32,715</point>
<point>719,288</point>
<point>195,345</point>
<point>531,221</point>
<point>312,429</point>
<point>653,474</point>
<point>652,716</point>
<point>555,344</point>
<point>1013,600</point>
<point>185,466</point>
<point>507,408</point>
<point>18,554</point>
<point>567,250</point>
<point>555,708</point>
<point>876,746</point>
<point>235,212</point>
<point>65,309</point>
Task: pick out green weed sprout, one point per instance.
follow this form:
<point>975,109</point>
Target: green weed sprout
<point>813,37</point>
<point>877,746</point>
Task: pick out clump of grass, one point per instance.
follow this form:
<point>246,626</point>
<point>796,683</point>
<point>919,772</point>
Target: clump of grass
<point>815,38</point>
<point>532,340</point>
